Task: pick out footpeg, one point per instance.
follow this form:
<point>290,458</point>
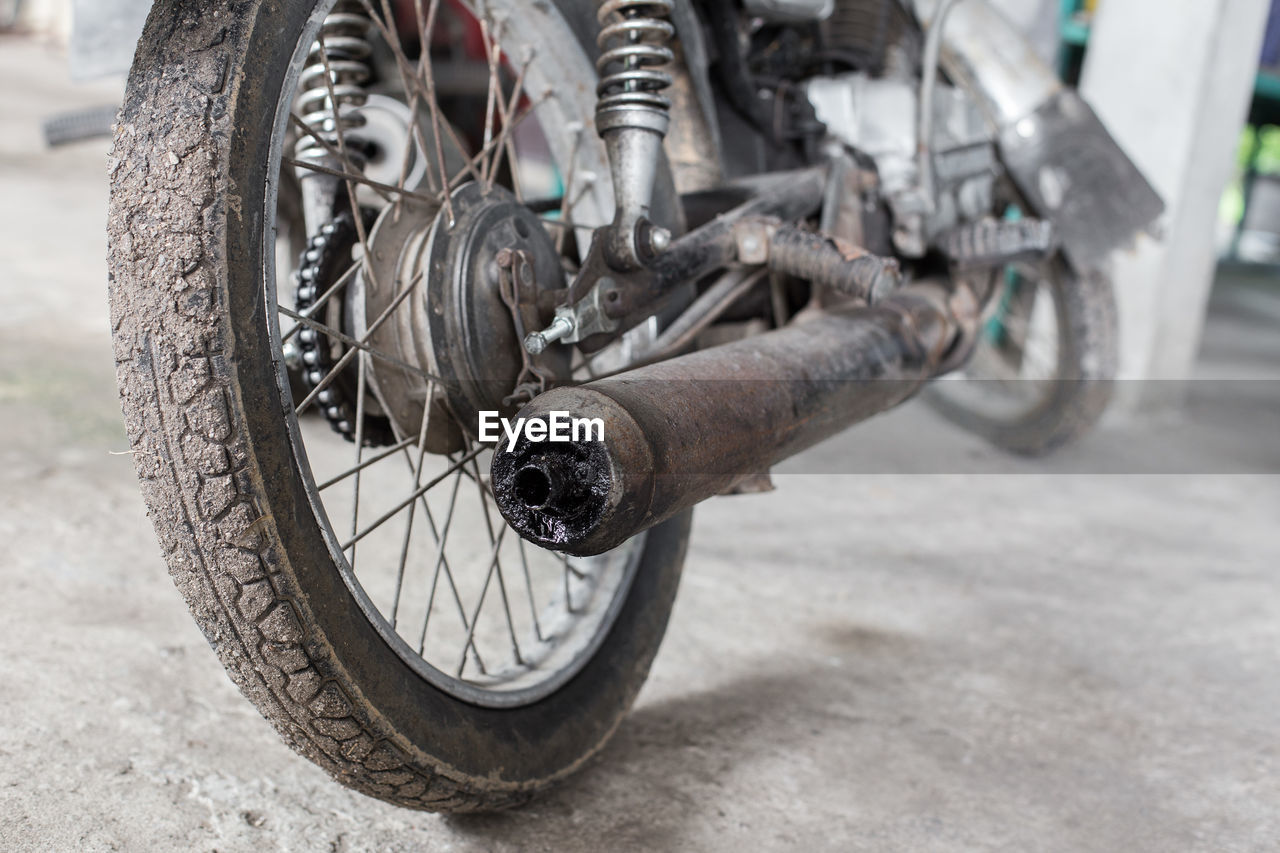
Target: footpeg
<point>993,242</point>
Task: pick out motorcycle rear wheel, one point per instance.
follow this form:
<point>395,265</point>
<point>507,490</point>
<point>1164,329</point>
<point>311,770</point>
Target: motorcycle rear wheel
<point>218,447</point>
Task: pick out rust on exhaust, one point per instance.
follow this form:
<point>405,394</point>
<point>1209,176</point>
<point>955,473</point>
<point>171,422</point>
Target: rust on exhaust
<point>680,431</point>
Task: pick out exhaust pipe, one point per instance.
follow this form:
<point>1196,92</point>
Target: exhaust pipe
<point>680,431</point>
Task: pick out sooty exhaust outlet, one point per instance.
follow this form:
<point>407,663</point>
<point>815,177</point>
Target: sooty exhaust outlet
<point>679,431</point>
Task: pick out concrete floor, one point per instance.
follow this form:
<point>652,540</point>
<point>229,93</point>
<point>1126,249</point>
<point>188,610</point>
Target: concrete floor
<point>1006,657</point>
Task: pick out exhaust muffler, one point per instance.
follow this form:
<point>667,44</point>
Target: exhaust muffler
<point>680,431</point>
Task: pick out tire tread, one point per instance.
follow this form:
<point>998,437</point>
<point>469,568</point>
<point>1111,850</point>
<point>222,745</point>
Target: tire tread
<point>189,448</point>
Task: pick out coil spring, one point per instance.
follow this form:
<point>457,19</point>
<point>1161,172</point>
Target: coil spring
<point>344,42</point>
<point>632,42</point>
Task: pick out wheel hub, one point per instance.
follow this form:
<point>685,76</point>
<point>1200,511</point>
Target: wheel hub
<point>455,325</point>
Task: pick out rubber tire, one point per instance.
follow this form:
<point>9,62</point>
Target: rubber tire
<point>202,410</point>
<point>1087,362</point>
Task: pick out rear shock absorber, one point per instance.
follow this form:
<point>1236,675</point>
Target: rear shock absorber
<point>330,98</point>
<point>632,116</point>
<point>342,54</point>
<point>331,93</point>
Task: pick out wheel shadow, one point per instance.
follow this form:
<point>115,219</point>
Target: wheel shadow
<point>667,770</point>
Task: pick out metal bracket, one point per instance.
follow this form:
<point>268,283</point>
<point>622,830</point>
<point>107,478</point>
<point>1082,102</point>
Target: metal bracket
<point>574,323</point>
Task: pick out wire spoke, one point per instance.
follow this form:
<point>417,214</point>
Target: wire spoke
<point>570,572</point>
<point>361,366</point>
<point>351,353</point>
<point>426,29</point>
<point>483,153</point>
<point>502,585</point>
<point>297,122</point>
<point>566,206</point>
<point>372,460</point>
<point>441,563</point>
<point>490,39</point>
<point>415,103</point>
<point>423,83</point>
<point>528,585</point>
<point>571,569</point>
<point>421,490</point>
<point>356,178</point>
<point>417,481</point>
<point>350,341</point>
<point>504,141</point>
<point>440,537</point>
<point>475,614</point>
<point>343,281</point>
<point>517,183</point>
<point>568,594</point>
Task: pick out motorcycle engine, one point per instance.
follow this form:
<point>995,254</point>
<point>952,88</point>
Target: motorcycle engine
<point>878,116</point>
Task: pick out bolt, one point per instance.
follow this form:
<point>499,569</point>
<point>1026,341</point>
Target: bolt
<point>536,343</point>
<point>660,239</point>
<point>752,246</point>
<point>650,239</point>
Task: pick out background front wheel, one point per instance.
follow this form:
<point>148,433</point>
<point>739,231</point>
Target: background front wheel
<point>1042,372</point>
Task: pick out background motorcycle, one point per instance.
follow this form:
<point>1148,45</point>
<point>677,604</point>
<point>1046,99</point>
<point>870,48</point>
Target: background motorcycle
<point>341,229</point>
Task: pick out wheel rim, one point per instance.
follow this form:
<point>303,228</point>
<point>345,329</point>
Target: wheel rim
<point>486,617</point>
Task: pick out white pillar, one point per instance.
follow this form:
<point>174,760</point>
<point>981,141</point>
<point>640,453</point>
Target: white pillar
<point>50,18</point>
<point>1172,81</point>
